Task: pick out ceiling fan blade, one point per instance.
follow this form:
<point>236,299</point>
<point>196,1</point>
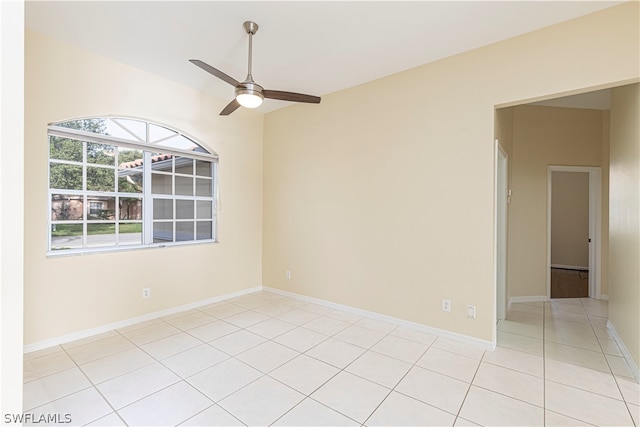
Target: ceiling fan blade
<point>230,108</point>
<point>290,96</point>
<point>219,74</point>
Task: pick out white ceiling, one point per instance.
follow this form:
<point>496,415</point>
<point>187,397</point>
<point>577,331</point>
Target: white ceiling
<point>314,47</point>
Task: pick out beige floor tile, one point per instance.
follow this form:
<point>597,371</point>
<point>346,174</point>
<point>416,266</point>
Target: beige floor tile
<point>111,420</point>
<point>224,310</point>
<point>360,336</point>
<point>317,308</point>
<point>566,315</point>
<point>345,316</point>
<point>335,352</point>
<point>351,395</point>
<point>213,330</point>
<point>583,378</point>
<point>630,389</point>
<point>271,328</point>
<point>115,365</point>
<point>192,320</point>
<point>567,325</point>
<point>212,416</point>
<point>101,336</point>
<point>83,407</point>
<point>414,335</point>
<point>461,422</point>
<point>37,367</point>
<point>458,347</point>
<point>52,387</point>
<point>553,419</point>
<point>173,344</point>
<point>326,325</point>
<point>519,342</point>
<point>380,369</point>
<point>151,333</point>
<point>237,342</point>
<point>261,402</point>
<point>526,308</point>
<point>43,352</point>
<point>488,408</point>
<point>587,342</point>
<point>273,309</point>
<point>167,407</point>
<point>527,388</point>
<point>310,413</point>
<point>572,306</point>
<point>438,390</point>
<point>576,356</point>
<point>588,407</point>
<point>400,348</point>
<point>267,356</point>
<point>451,364</point>
<point>126,389</point>
<point>526,318</point>
<point>518,328</point>
<point>518,360</point>
<point>400,410</point>
<point>223,379</point>
<point>635,412</point>
<point>194,360</point>
<point>619,366</point>
<point>300,339</point>
<point>304,374</point>
<point>97,349</point>
<point>377,325</point>
<point>298,316</point>
<point>246,319</point>
<point>609,347</point>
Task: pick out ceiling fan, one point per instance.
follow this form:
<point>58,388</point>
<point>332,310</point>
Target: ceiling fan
<point>249,94</point>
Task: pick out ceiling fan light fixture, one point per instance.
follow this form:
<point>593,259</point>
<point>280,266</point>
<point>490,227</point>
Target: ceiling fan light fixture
<point>249,98</point>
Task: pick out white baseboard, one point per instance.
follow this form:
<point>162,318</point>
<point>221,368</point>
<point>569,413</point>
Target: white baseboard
<point>625,352</point>
<point>534,298</point>
<point>569,267</point>
<point>128,322</point>
<point>486,345</point>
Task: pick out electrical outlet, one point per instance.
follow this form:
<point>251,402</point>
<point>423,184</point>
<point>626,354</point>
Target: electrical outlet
<point>288,275</point>
<point>471,311</point>
<point>146,292</point>
<point>446,305</point>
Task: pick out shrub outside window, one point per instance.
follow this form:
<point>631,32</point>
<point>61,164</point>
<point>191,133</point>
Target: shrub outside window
<point>124,183</point>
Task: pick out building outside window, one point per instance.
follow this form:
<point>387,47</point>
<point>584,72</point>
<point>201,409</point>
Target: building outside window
<point>124,183</point>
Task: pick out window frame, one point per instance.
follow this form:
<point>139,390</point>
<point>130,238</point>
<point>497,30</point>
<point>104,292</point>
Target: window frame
<point>147,196</point>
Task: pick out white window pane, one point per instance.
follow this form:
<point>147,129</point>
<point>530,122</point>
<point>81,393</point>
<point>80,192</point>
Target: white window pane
<point>101,154</point>
<point>205,209</point>
<point>101,208</point>
<point>161,184</point>
<point>65,177</point>
<point>67,207</point>
<point>204,187</point>
<point>204,230</point>
<point>184,165</point>
<point>135,129</point>
<point>184,186</point>
<point>101,235</point>
<point>65,149</point>
<point>130,208</point>
<point>203,168</point>
<point>184,209</point>
<point>184,231</point>
<point>130,233</point>
<point>159,132</point>
<point>162,162</point>
<point>66,236</point>
<point>131,180</point>
<point>162,209</point>
<point>162,232</point>
<point>101,179</point>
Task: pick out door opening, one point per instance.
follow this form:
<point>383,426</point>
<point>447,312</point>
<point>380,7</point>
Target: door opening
<point>501,232</point>
<point>573,232</point>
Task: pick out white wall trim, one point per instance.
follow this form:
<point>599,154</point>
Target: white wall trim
<point>625,352</point>
<point>486,345</point>
<point>569,267</point>
<point>139,319</point>
<point>533,298</point>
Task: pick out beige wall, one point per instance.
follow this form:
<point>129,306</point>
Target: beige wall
<point>74,293</point>
<point>543,136</point>
<point>382,196</point>
<point>570,219</point>
<point>624,243</point>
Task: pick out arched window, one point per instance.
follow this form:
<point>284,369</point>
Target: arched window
<point>124,183</point>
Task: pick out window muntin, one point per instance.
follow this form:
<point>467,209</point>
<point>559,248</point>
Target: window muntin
<point>99,193</point>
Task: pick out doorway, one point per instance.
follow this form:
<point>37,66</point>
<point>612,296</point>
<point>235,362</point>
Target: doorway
<point>573,232</point>
<point>501,231</point>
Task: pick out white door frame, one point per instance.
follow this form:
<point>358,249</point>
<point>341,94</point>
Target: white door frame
<point>595,231</point>
<point>501,188</point>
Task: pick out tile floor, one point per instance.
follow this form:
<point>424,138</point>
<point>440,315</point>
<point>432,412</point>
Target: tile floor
<point>264,359</point>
